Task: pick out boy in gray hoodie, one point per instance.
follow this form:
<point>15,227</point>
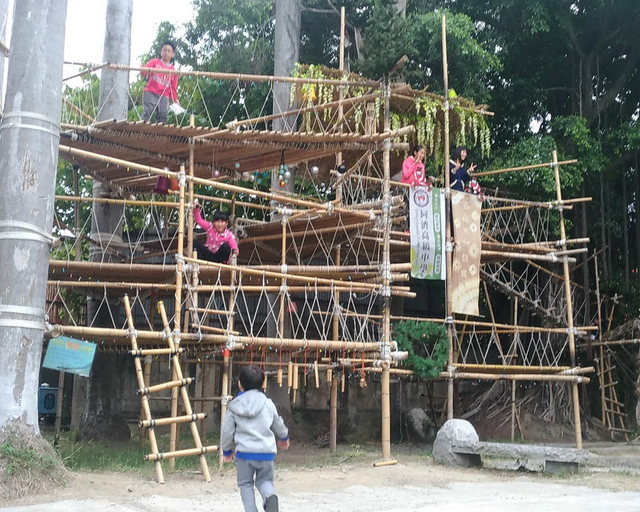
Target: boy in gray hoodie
<point>251,427</point>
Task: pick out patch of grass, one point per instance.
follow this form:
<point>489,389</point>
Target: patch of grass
<point>122,457</point>
<point>28,464</point>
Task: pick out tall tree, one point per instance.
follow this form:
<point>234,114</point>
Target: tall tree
<point>101,417</point>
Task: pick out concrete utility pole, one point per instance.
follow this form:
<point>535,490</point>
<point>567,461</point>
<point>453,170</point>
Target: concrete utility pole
<point>29,137</point>
<point>4,53</point>
<point>113,103</point>
<point>101,392</point>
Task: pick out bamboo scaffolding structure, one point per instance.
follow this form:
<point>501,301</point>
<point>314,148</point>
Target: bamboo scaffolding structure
<point>200,181</point>
<point>123,201</point>
<point>141,384</point>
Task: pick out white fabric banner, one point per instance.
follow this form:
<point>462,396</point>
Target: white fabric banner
<point>426,214</point>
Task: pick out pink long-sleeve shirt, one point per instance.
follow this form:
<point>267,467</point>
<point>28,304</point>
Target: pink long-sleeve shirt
<point>215,239</point>
<point>413,172</point>
<point>162,84</point>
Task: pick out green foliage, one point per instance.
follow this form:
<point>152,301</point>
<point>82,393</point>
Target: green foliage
<point>427,344</point>
<point>387,38</point>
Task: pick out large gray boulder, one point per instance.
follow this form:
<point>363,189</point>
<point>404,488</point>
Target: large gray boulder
<point>454,433</point>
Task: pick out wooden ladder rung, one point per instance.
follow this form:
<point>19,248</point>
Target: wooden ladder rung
<point>166,385</point>
<point>614,429</point>
<point>616,411</point>
<point>612,401</point>
<point>155,351</point>
<point>171,420</point>
<point>611,384</point>
<point>181,453</point>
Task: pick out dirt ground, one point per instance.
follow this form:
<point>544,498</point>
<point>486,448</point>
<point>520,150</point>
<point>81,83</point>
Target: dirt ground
<point>308,479</point>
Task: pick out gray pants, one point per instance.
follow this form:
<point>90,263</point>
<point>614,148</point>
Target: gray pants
<point>151,102</point>
<point>263,472</point>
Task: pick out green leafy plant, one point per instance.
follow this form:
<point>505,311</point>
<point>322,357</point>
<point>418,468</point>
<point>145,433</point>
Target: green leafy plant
<point>427,344</point>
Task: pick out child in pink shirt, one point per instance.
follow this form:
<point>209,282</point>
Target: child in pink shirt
<point>162,88</point>
<point>221,242</point>
<point>413,171</point>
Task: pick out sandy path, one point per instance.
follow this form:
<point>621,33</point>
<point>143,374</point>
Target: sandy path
<point>414,484</point>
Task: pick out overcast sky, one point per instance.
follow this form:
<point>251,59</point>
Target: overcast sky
<point>86,21</point>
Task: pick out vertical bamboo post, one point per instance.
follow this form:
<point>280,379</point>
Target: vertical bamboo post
<point>60,394</point>
<point>175,358</point>
<point>173,430</point>
<point>386,282</point>
<point>333,408</point>
<point>341,99</point>
<point>225,394</point>
<point>447,216</point>
<point>603,402</point>
<point>333,414</point>
<point>283,262</point>
<point>567,291</point>
<point>513,411</point>
<point>141,385</point>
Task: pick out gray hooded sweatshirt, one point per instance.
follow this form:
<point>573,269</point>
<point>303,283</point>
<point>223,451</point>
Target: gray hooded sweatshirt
<point>250,424</point>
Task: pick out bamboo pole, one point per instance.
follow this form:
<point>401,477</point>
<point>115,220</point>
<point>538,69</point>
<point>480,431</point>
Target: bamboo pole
<point>524,168</point>
<point>603,403</point>
<point>576,379</point>
<point>333,408</point>
<point>386,287</point>
<point>173,434</point>
<point>569,301</point>
<point>239,77</point>
<point>142,384</point>
<point>175,359</point>
<point>447,202</point>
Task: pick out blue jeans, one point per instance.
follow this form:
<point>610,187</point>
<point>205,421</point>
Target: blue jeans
<point>262,470</point>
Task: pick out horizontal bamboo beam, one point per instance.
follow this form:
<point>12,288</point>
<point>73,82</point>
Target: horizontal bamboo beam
<point>523,168</point>
<point>239,77</point>
<point>514,376</point>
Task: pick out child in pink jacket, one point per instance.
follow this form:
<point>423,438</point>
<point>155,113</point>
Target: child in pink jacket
<point>221,243</point>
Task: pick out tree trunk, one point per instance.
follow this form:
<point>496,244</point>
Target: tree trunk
<point>30,130</point>
<point>625,232</point>
<point>101,418</point>
<point>637,216</point>
<point>603,231</point>
<point>584,233</point>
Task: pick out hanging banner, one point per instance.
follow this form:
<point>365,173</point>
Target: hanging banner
<point>426,214</point>
<point>465,271</point>
<point>70,355</point>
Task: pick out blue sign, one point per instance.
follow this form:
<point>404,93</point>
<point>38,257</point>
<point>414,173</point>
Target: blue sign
<point>70,355</point>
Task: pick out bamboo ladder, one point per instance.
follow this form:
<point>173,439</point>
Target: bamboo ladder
<point>144,391</point>
<point>613,417</point>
